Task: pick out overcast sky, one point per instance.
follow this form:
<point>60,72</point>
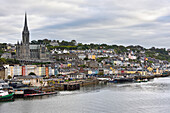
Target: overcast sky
<point>122,22</point>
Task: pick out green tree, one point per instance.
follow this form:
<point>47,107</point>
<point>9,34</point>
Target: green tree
<point>100,73</point>
<point>9,77</point>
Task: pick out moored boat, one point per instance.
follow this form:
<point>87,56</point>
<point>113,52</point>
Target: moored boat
<point>39,94</point>
<point>6,96</point>
<point>21,92</point>
<point>31,92</point>
<point>141,80</point>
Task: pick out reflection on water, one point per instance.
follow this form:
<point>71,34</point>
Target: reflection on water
<point>148,97</point>
<point>38,97</point>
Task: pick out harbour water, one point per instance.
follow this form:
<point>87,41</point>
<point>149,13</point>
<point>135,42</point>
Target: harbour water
<point>147,97</point>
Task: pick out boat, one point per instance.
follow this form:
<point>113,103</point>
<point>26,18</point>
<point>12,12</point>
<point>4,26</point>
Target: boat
<point>3,84</point>
<point>141,80</point>
<point>145,80</point>
<point>31,92</point>
<point>39,94</point>
<point>111,81</point>
<point>21,92</point>
<point>137,81</point>
<point>5,95</point>
<point>16,83</point>
<point>122,79</point>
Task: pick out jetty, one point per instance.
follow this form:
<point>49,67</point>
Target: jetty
<point>74,85</point>
<point>124,78</point>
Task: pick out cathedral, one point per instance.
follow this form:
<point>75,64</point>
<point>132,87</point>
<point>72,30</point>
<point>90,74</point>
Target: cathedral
<point>31,52</point>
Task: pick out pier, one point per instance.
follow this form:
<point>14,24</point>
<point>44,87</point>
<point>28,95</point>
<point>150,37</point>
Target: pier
<point>74,85</point>
<point>122,79</point>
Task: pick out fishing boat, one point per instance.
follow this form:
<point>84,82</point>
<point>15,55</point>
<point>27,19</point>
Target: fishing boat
<point>5,95</point>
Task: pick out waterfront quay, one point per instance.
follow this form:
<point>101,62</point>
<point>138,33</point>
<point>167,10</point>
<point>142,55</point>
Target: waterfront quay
<point>39,86</point>
<point>49,86</point>
<point>72,84</point>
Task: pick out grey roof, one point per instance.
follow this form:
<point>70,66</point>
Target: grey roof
<point>34,46</point>
<point>2,81</point>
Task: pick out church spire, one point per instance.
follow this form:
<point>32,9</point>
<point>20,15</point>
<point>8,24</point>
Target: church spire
<point>25,32</point>
<point>25,24</point>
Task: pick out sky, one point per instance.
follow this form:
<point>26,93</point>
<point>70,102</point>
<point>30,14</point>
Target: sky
<point>120,22</point>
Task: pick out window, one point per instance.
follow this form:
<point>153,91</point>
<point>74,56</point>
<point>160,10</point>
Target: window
<point>43,49</point>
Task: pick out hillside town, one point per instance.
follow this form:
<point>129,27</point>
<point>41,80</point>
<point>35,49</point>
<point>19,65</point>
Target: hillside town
<point>82,64</point>
<point>55,65</point>
<point>90,62</point>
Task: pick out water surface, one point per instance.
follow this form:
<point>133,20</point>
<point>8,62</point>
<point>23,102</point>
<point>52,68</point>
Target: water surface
<point>150,97</point>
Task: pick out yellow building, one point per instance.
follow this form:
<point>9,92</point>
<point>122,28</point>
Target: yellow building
<point>130,71</point>
<point>150,69</point>
<point>142,72</point>
<point>69,65</point>
<point>89,72</point>
<point>94,57</point>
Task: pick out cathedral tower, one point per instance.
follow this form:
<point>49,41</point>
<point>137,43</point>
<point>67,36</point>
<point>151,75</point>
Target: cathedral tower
<point>25,32</point>
<point>25,49</point>
<point>30,52</point>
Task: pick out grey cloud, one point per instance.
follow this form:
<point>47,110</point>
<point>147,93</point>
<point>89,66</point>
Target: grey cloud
<point>126,22</point>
